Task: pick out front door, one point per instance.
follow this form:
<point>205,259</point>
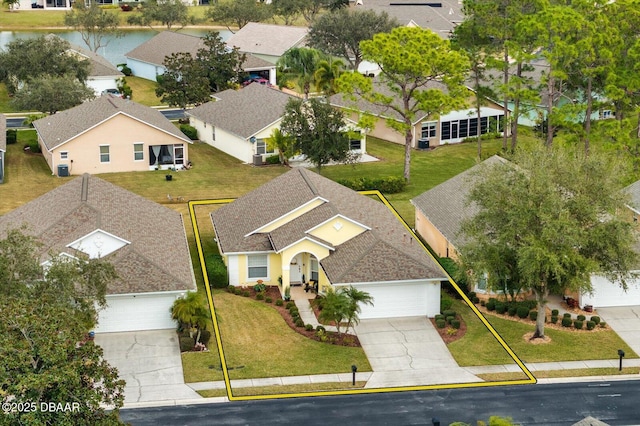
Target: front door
<point>295,270</point>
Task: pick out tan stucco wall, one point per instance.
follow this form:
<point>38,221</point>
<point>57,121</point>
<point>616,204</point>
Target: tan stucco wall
<point>337,231</point>
<point>292,215</point>
<point>120,133</point>
<point>432,236</point>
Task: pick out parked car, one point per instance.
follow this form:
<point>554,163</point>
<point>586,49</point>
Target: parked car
<point>258,80</point>
<point>112,92</point>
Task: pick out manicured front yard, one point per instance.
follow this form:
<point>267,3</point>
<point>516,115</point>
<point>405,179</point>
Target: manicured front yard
<point>144,91</point>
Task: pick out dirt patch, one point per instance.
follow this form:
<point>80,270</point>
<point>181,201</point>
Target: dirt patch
<point>330,337</point>
<point>449,336</point>
<point>538,340</point>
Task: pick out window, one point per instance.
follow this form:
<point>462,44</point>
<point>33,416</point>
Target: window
<point>262,148</point>
<point>64,155</point>
<point>213,133</point>
<point>258,266</point>
<point>463,131</point>
<point>428,130</point>
<point>314,269</point>
<point>104,154</point>
<point>445,132</point>
<point>138,153</point>
<point>481,285</point>
<point>178,154</point>
<point>355,144</point>
<point>473,127</point>
<point>484,125</point>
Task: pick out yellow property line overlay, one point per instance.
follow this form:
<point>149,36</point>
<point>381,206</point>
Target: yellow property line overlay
<point>530,378</point>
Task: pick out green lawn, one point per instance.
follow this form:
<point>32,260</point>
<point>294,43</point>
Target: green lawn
<point>282,389</point>
<point>5,101</point>
<point>581,372</point>
<point>144,91</point>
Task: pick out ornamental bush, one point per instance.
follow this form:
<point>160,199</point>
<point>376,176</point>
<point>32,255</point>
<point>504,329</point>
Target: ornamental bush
<point>578,324</point>
<point>591,325</point>
<point>268,299</point>
<point>449,313</point>
<point>533,315</point>
<point>522,311</point>
<point>566,322</point>
<point>289,305</point>
<point>441,323</point>
<point>387,185</point>
<point>566,315</point>
<point>512,311</point>
<point>246,293</point>
<point>259,296</point>
<point>554,312</point>
<point>259,288</point>
<point>272,159</point>
<point>554,319</point>
<point>299,322</point>
<point>279,302</point>
<point>455,323</point>
<point>449,319</point>
<point>595,319</point>
<point>581,317</point>
<point>491,305</point>
<point>189,131</point>
<point>501,308</point>
<point>438,316</point>
<point>308,327</point>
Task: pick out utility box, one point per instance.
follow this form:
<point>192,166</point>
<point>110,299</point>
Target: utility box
<point>257,160</point>
<point>423,143</point>
<point>63,170</point>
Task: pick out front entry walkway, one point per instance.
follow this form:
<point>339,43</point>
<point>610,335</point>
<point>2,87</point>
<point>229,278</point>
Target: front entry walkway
<point>408,352</point>
<point>625,321</point>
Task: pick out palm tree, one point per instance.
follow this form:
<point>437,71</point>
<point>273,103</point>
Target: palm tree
<point>356,298</point>
<point>284,144</point>
<point>326,74</point>
<point>335,306</point>
<point>300,62</point>
<point>191,311</point>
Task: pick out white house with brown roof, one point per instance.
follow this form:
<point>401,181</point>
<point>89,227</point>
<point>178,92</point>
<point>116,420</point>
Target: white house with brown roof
<point>110,134</point>
<point>147,60</point>
<point>268,41</point>
<point>239,122</point>
<point>3,144</point>
<point>303,228</point>
<point>144,241</point>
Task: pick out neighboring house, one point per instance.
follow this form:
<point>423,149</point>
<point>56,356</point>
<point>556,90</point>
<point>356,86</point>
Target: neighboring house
<point>428,131</point>
<point>440,17</point>
<point>239,122</point>
<point>110,134</point>
<point>45,4</point>
<point>144,241</point>
<point>302,227</point>
<point>268,41</point>
<point>147,60</point>
<point>3,145</point>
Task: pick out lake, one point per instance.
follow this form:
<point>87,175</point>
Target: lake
<point>117,47</point>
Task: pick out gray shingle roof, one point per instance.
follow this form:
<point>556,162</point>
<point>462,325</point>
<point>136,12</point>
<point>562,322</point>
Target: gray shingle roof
<point>267,39</point>
<point>252,62</point>
<point>154,50</point>
<point>157,258</point>
<point>385,252</point>
<point>100,66</point>
<point>243,112</point>
<point>59,128</point>
<point>446,205</point>
<point>441,20</point>
<point>3,133</point>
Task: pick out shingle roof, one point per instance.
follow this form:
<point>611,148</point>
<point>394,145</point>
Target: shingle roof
<point>634,194</point>
<point>252,62</point>
<point>243,112</point>
<point>441,20</point>
<point>341,101</point>
<point>267,39</point>
<point>446,205</point>
<point>154,50</point>
<point>59,128</point>
<point>3,133</point>
<point>385,252</point>
<point>157,258</point>
<point>100,67</point>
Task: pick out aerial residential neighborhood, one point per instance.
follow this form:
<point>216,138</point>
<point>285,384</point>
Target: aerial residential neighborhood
<point>203,204</point>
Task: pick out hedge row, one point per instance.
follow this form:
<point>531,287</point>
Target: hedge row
<point>387,185</point>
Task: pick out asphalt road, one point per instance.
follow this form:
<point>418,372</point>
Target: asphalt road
<point>171,114</point>
<point>616,403</point>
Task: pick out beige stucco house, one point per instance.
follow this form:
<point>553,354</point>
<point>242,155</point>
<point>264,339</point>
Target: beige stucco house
<point>239,122</point>
<point>110,134</point>
<point>301,227</point>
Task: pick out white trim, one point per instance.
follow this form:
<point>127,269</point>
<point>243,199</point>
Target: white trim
<point>96,231</point>
<point>108,153</point>
<point>266,276</point>
<point>308,239</point>
<point>300,207</point>
<point>632,209</point>
<point>235,253</point>
<point>334,217</point>
<point>264,128</point>
<point>418,280</point>
<point>151,293</point>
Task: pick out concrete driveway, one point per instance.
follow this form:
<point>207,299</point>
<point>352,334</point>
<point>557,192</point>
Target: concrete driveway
<point>150,363</point>
<point>408,352</point>
<point>625,321</point>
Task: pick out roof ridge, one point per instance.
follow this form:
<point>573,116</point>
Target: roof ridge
<point>84,190</point>
<point>310,184</point>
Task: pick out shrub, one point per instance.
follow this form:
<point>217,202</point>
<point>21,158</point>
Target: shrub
<point>603,324</point>
<point>595,319</point>
<point>279,302</point>
<point>231,288</point>
<point>438,316</point>
<point>491,305</point>
<point>124,69</point>
<point>445,304</point>
<point>449,313</point>
<point>555,312</point>
<point>238,291</point>
<point>299,322</point>
<point>533,315</point>
<point>216,271</point>
<point>501,308</point>
<point>268,299</point>
<point>566,322</point>
<point>308,327</point>
<point>205,336</point>
<point>554,319</point>
<point>273,159</point>
<point>581,317</point>
<point>289,305</point>
<point>260,296</point>
<point>387,185</point>
<point>578,324</point>
<point>475,300</point>
<point>295,317</point>
<point>483,302</point>
<point>440,323</point>
<point>186,344</point>
<point>124,89</point>
<point>246,293</point>
<point>12,136</point>
<point>455,323</point>
<point>522,311</point>
<point>452,331</point>
<point>512,311</point>
<point>591,325</point>
<point>320,328</point>
<point>294,309</point>
<point>471,295</point>
<point>566,315</point>
<point>189,131</point>
<point>33,147</point>
<point>449,319</point>
<point>259,288</point>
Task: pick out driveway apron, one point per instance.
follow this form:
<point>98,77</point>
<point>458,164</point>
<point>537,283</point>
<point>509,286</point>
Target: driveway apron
<point>625,321</point>
<point>408,352</point>
<point>149,362</point>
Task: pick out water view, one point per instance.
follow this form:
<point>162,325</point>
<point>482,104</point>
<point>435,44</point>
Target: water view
<point>117,47</point>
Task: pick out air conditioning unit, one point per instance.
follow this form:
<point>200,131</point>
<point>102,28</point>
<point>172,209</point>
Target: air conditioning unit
<point>63,170</point>
<point>423,143</point>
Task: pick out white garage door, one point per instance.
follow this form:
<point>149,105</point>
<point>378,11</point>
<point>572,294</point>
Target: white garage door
<point>401,299</point>
<point>136,312</point>
<point>608,294</point>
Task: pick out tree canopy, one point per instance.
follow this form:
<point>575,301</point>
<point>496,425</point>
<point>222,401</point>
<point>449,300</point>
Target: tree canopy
<point>239,12</point>
<point>46,314</point>
<point>319,131</point>
<point>548,222</point>
<point>93,23</point>
<point>170,13</point>
<point>340,32</point>
<point>51,94</point>
<point>419,74</point>
<point>300,63</point>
